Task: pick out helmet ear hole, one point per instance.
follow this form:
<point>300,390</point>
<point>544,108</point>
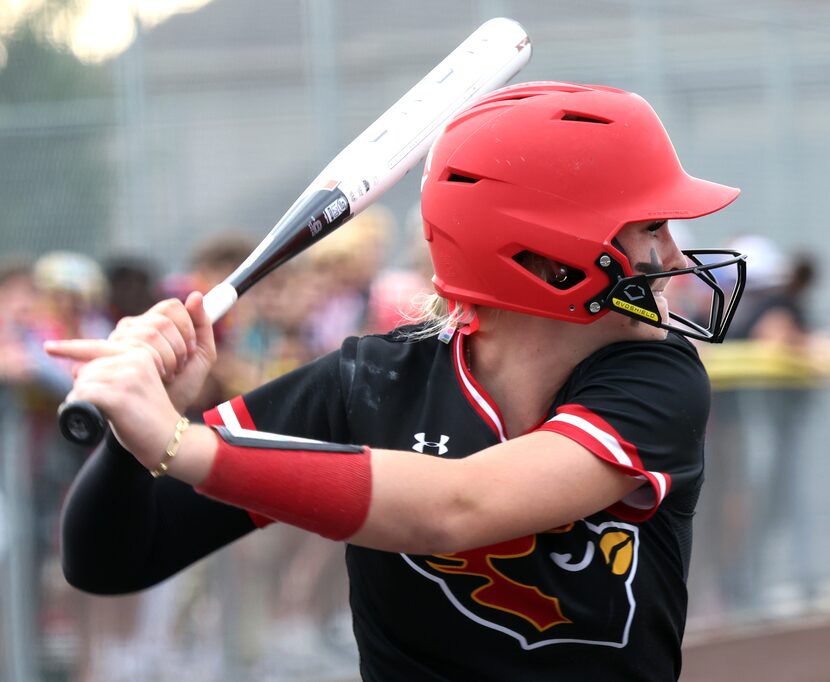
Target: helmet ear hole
<point>458,177</point>
<point>581,118</point>
<point>554,274</point>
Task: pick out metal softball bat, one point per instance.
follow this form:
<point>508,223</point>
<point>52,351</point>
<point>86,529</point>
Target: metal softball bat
<point>361,173</point>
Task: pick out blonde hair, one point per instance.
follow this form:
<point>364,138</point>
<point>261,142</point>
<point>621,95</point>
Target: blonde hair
<point>432,313</point>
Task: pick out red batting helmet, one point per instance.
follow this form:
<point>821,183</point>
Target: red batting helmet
<point>557,169</point>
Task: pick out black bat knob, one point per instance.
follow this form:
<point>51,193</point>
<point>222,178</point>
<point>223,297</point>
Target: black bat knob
<point>81,422</point>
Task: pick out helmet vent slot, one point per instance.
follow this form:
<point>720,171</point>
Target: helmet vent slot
<point>556,275</point>
<point>582,118</point>
<point>457,177</point>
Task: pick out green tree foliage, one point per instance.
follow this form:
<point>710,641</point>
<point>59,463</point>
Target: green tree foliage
<point>55,132</point>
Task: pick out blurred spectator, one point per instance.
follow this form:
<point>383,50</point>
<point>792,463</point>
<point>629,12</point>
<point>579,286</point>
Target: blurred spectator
<point>16,322</point>
<point>771,308</point>
<point>344,265</point>
<point>276,338</point>
<point>132,287</point>
<point>761,411</point>
<point>28,317</point>
<point>394,292</point>
<point>212,260</point>
<point>73,290</point>
<point>60,296</point>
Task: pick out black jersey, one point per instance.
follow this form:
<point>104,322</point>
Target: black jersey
<point>602,598</point>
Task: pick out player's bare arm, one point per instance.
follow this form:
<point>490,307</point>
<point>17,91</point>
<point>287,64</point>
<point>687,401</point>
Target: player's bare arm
<point>417,504</point>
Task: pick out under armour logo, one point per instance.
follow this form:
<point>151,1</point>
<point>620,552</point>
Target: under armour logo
<point>421,442</point>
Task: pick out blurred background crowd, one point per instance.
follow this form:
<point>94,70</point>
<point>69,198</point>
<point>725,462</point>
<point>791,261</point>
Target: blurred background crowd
<point>147,145</point>
<point>301,311</point>
<point>758,553</point>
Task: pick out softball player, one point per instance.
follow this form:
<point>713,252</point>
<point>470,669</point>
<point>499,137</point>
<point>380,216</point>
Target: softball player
<point>515,477</point>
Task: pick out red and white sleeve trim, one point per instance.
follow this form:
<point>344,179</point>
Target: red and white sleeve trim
<point>235,416</point>
<point>232,413</point>
<point>599,437</point>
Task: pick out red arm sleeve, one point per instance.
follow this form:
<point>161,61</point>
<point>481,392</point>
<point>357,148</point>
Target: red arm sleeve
<point>321,487</point>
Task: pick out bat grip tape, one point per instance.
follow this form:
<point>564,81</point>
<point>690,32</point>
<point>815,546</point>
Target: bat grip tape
<point>324,488</point>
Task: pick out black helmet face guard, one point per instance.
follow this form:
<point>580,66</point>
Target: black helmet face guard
<point>632,295</point>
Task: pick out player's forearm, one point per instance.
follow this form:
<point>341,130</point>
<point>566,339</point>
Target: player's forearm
<point>123,531</point>
<point>389,500</point>
<point>194,456</point>
<point>531,484</point>
<point>429,505</point>
<point>100,536</point>
<point>406,502</point>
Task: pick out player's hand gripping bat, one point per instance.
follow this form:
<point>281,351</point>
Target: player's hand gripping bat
<point>372,163</point>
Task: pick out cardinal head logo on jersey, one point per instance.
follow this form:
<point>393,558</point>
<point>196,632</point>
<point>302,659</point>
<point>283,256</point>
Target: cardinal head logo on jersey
<point>571,584</point>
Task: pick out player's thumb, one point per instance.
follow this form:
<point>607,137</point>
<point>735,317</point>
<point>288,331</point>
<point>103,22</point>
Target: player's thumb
<point>201,324</point>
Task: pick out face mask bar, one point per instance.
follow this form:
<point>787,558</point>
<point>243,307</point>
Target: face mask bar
<point>632,295</point>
